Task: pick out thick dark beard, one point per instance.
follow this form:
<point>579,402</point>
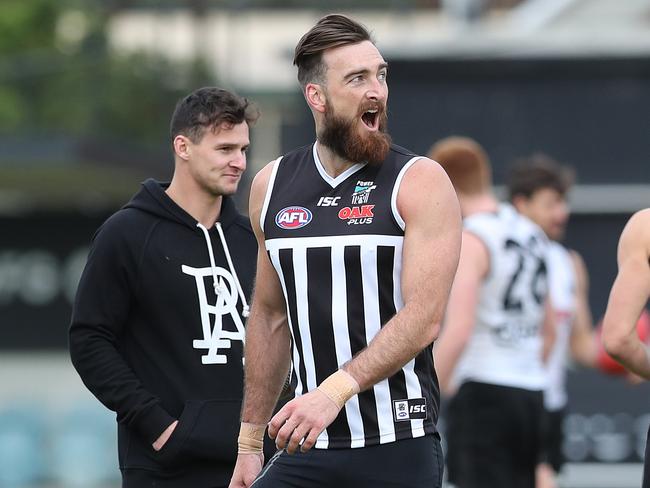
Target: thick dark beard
<point>341,136</point>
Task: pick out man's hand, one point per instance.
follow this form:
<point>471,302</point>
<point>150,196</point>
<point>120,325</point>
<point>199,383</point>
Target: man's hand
<point>633,379</point>
<point>545,476</point>
<point>164,437</point>
<point>305,418</point>
<point>247,468</point>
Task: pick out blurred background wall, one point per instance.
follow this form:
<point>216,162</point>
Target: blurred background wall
<point>86,92</point>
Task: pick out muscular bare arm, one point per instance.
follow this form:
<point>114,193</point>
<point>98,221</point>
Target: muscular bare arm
<point>583,339</point>
<point>429,207</point>
<point>629,296</point>
<point>461,310</point>
<point>267,331</point>
<point>267,350</point>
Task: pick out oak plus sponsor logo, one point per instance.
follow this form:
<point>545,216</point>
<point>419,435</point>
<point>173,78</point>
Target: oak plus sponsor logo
<point>293,217</point>
<point>357,215</point>
<point>362,192</point>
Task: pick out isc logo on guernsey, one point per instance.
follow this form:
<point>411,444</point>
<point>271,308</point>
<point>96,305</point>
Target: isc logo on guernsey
<point>293,217</point>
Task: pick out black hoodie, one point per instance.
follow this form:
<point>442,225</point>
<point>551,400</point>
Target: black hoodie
<point>145,334</point>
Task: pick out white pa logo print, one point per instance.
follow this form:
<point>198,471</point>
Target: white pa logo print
<point>214,335</point>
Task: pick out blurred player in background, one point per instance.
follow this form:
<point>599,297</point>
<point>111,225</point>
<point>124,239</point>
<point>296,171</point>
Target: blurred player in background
<point>627,301</point>
<point>359,241</point>
<point>157,326</point>
<point>537,188</point>
<point>492,345</point>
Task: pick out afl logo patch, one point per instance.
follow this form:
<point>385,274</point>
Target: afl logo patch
<point>293,217</point>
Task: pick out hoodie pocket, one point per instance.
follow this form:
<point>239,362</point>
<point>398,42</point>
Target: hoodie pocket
<point>206,430</point>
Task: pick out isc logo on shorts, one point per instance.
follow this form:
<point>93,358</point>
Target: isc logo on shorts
<point>410,409</point>
<point>293,217</point>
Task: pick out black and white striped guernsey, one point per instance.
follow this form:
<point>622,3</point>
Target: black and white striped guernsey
<point>336,245</point>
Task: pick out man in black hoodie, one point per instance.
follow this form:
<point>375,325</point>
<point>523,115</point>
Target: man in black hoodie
<point>157,327</point>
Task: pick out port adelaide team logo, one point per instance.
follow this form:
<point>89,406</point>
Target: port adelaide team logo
<point>359,212</point>
<point>293,217</point>
<point>362,192</point>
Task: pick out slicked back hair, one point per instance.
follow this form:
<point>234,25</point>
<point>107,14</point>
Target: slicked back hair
<point>208,108</point>
<point>537,172</point>
<point>331,31</point>
<point>465,162</point>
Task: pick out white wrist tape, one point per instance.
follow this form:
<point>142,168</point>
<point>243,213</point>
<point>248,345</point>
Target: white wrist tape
<point>339,387</point>
<point>251,438</point>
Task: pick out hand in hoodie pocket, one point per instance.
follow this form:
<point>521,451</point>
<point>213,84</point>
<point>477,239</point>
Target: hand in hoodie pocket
<point>206,430</point>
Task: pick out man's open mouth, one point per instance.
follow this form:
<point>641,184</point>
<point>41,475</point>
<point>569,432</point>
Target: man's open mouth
<point>371,118</point>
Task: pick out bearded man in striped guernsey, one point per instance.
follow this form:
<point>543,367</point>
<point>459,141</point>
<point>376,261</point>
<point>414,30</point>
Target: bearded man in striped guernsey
<point>359,242</point>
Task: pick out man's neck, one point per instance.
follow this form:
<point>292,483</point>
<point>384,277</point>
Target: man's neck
<point>483,203</point>
<point>333,164</point>
<point>201,205</point>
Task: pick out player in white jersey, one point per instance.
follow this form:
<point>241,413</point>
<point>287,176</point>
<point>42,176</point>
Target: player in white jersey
<point>492,343</point>
<point>538,189</point>
<point>628,298</point>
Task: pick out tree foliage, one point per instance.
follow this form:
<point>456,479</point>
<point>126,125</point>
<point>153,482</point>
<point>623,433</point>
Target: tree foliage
<point>58,75</point>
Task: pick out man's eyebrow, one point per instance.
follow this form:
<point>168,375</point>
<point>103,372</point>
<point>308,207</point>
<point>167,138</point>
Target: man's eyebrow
<point>229,145</point>
<point>362,71</point>
<point>356,72</point>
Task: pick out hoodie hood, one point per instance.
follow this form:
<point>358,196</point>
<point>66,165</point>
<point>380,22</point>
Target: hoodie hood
<point>152,199</point>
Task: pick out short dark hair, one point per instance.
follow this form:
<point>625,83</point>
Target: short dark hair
<point>537,172</point>
<point>209,107</point>
<point>331,31</point>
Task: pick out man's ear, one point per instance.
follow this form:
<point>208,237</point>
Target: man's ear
<point>182,147</point>
<point>519,202</point>
<point>315,96</point>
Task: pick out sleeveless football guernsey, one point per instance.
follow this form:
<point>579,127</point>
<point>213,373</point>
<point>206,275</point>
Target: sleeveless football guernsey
<point>506,345</point>
<point>336,245</point>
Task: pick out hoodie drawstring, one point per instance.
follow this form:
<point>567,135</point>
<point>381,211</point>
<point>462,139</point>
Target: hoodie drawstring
<point>216,280</point>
